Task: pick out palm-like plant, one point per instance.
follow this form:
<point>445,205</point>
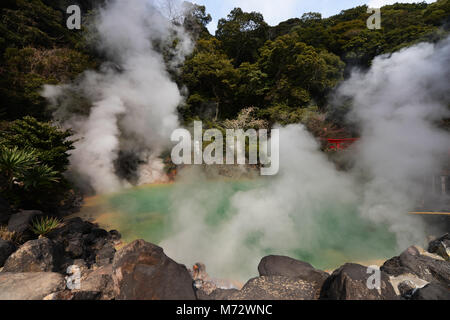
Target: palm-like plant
<point>40,176</point>
<point>44,225</point>
<point>15,162</point>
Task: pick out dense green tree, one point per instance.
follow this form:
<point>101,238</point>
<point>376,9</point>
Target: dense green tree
<point>196,19</point>
<point>36,48</point>
<point>242,34</point>
<point>211,78</point>
<point>298,73</point>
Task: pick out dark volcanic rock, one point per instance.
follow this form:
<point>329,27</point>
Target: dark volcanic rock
<point>288,267</point>
<point>432,291</point>
<point>94,285</point>
<point>71,229</point>
<point>406,288</point>
<point>21,221</point>
<point>105,255</point>
<point>218,294</point>
<point>74,246</point>
<point>30,285</point>
<point>39,255</point>
<point>291,268</point>
<point>275,288</point>
<point>99,280</point>
<point>441,247</point>
<point>424,267</point>
<point>6,249</point>
<point>349,282</point>
<point>5,211</point>
<point>141,271</point>
<point>84,240</point>
<point>115,235</point>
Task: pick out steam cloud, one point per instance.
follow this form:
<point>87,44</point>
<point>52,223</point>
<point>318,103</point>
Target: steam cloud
<point>133,100</point>
<point>397,104</point>
<point>133,108</point>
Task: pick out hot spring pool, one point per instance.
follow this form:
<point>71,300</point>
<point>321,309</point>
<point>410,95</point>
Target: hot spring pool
<point>192,223</point>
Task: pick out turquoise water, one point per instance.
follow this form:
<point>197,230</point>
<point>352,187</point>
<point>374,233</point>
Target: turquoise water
<point>149,213</point>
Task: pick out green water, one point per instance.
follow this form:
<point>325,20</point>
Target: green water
<point>148,213</point>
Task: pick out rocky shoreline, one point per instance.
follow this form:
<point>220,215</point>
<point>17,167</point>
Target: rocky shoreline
<point>79,261</point>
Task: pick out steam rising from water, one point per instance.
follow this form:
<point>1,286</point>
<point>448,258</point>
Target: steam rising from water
<point>397,103</point>
<point>133,99</point>
<point>133,108</point>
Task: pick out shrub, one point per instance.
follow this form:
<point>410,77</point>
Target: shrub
<point>33,157</point>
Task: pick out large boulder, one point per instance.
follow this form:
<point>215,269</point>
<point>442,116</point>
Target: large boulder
<point>141,271</point>
<point>432,291</point>
<point>29,286</point>
<point>288,267</point>
<point>274,288</point>
<point>39,255</point>
<point>94,285</point>
<point>99,281</point>
<point>350,282</point>
<point>21,221</point>
<point>425,266</point>
<point>441,247</point>
<point>5,211</point>
<point>6,249</point>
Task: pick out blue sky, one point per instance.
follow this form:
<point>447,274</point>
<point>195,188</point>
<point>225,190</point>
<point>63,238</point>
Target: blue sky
<point>275,11</point>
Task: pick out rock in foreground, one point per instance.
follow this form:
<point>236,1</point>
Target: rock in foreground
<point>6,249</point>
<point>292,268</point>
<point>349,282</point>
<point>141,271</point>
<point>431,268</point>
<point>275,288</point>
<point>30,285</point>
<point>20,222</point>
<point>34,256</point>
<point>441,247</point>
<point>432,291</point>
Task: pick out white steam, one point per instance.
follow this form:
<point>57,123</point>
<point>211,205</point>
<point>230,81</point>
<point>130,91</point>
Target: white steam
<point>309,207</point>
<point>133,100</point>
<point>397,103</point>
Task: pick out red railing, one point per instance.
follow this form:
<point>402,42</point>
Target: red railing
<point>340,144</point>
